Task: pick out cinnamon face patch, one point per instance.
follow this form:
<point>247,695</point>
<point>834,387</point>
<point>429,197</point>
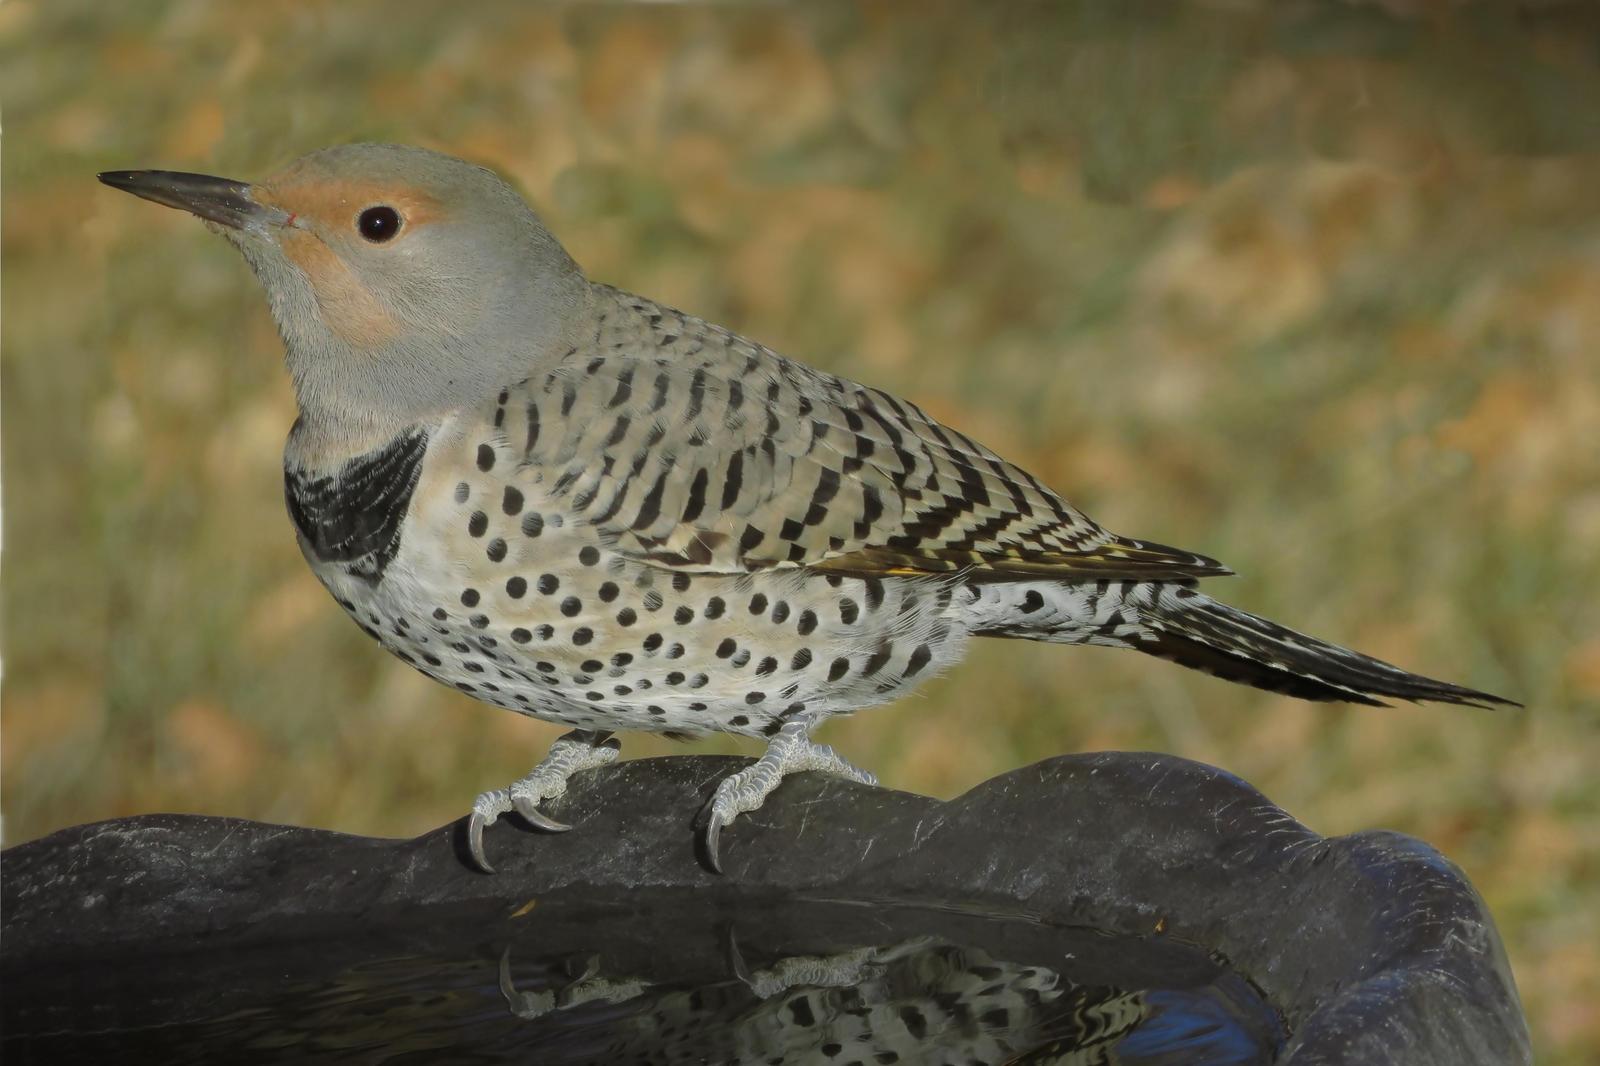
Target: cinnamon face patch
<point>351,310</point>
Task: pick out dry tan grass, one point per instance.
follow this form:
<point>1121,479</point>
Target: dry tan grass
<point>1315,294</point>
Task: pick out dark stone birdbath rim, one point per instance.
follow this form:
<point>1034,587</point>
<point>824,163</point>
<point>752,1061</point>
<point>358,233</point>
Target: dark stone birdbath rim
<point>1372,946</point>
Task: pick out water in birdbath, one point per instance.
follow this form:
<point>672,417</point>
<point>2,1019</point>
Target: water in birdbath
<point>697,978</point>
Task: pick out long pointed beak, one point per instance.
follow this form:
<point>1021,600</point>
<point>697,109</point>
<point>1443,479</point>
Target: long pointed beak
<point>228,203</point>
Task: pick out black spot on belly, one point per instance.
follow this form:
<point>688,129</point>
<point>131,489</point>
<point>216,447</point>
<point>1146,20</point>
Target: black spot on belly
<point>355,515</point>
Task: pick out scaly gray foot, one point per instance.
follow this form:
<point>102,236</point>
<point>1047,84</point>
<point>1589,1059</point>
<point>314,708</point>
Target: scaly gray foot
<point>789,752</point>
<point>586,986</point>
<point>846,969</point>
<point>581,749</point>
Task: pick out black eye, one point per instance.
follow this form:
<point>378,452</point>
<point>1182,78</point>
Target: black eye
<point>379,224</point>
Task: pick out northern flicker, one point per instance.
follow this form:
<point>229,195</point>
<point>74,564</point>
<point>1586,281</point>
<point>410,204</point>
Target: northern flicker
<point>584,506</point>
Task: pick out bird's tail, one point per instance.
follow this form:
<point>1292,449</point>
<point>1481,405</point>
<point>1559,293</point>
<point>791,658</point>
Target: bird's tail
<point>1194,630</point>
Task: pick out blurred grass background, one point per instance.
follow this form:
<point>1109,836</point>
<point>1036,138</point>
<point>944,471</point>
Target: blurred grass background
<point>1310,287</point>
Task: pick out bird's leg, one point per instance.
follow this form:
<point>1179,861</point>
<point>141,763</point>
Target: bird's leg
<point>789,752</point>
<point>581,749</point>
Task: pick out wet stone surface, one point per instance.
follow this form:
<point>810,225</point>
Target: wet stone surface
<point>1100,908</point>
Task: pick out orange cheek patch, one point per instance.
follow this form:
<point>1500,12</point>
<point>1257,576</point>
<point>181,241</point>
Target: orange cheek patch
<point>349,308</point>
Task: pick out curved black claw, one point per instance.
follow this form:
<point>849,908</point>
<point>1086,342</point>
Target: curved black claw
<point>507,988</point>
<point>736,961</point>
<point>480,820</point>
<point>537,818</point>
<point>710,838</point>
<point>475,826</point>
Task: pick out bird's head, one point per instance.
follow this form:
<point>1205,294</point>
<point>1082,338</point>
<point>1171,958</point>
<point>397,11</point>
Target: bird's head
<point>405,283</point>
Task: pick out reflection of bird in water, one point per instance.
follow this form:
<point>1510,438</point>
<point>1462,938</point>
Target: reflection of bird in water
<point>921,1001</point>
<point>590,508</point>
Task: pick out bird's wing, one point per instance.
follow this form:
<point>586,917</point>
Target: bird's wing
<point>697,450</point>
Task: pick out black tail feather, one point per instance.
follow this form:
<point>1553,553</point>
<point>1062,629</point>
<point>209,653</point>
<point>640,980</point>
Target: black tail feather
<point>1196,631</point>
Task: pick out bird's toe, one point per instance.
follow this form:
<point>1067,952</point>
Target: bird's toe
<point>527,806</point>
